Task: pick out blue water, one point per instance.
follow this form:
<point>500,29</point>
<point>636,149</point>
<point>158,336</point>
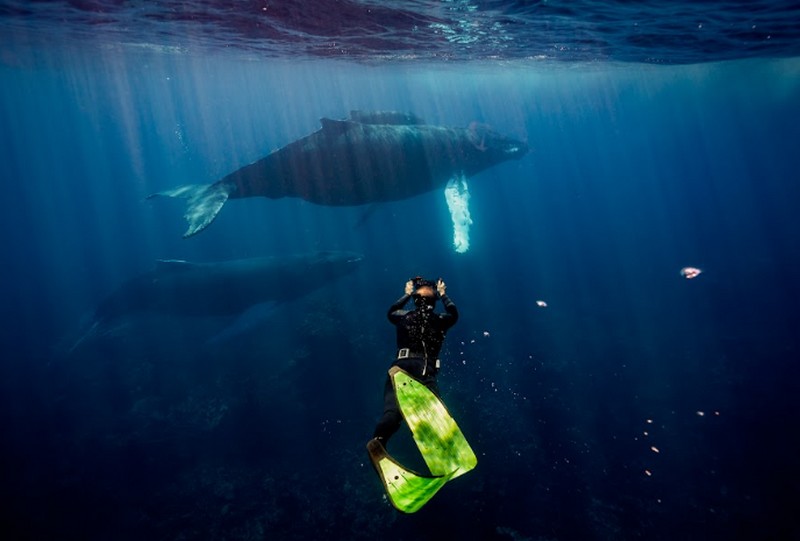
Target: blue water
<point>636,405</point>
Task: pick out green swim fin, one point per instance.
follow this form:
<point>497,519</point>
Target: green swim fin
<point>442,444</point>
<point>407,490</point>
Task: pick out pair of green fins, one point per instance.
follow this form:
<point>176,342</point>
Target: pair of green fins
<point>444,448</point>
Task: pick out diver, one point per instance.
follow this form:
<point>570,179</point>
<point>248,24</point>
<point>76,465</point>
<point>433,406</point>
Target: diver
<point>420,333</point>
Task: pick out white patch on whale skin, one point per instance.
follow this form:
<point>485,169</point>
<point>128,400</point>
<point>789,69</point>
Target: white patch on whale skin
<point>457,195</point>
<point>204,202</point>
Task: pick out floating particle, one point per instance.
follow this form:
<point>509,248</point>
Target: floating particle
<point>541,304</point>
<point>690,272</point>
<point>647,473</point>
<point>485,333</point>
<point>649,421</point>
<point>700,413</point>
<point>654,449</point>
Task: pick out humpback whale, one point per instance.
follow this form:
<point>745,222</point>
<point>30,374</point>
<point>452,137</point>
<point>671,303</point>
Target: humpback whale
<point>248,289</point>
<point>183,288</point>
<point>372,157</point>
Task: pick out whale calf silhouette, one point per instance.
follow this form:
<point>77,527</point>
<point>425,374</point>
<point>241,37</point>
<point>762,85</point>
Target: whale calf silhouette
<point>248,289</point>
<point>222,288</point>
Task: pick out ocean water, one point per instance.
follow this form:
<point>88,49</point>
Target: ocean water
<point>637,404</point>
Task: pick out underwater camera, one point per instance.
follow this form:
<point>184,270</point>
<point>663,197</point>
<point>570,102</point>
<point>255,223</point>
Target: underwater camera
<point>419,281</point>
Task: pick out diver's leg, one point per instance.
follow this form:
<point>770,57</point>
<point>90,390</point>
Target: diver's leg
<point>391,419</point>
<point>429,381</point>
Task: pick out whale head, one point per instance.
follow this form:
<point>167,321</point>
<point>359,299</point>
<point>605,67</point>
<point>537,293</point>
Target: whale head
<point>489,147</point>
<point>288,277</point>
<point>337,261</point>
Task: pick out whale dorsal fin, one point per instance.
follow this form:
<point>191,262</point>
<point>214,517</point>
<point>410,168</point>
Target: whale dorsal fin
<point>336,126</point>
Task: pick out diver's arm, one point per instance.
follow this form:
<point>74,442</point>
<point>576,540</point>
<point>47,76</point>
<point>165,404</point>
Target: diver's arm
<point>451,315</point>
<point>450,307</point>
<point>395,310</point>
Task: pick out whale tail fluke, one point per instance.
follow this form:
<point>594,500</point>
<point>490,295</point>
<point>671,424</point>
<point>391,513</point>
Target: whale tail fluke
<point>204,202</point>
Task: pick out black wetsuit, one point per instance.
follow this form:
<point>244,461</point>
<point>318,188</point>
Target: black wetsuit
<point>422,332</point>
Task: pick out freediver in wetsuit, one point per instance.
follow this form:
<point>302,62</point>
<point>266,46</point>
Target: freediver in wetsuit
<point>420,334</point>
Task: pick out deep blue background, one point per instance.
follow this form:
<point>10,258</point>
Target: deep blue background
<point>635,172</point>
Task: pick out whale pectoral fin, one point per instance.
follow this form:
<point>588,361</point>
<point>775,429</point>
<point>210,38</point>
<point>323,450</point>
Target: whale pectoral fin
<point>204,202</point>
<point>366,215</point>
<point>457,195</point>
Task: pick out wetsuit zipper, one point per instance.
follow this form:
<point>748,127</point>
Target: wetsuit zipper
<point>425,352</point>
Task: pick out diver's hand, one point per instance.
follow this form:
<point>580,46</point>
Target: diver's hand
<point>440,287</point>
<point>409,287</point>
